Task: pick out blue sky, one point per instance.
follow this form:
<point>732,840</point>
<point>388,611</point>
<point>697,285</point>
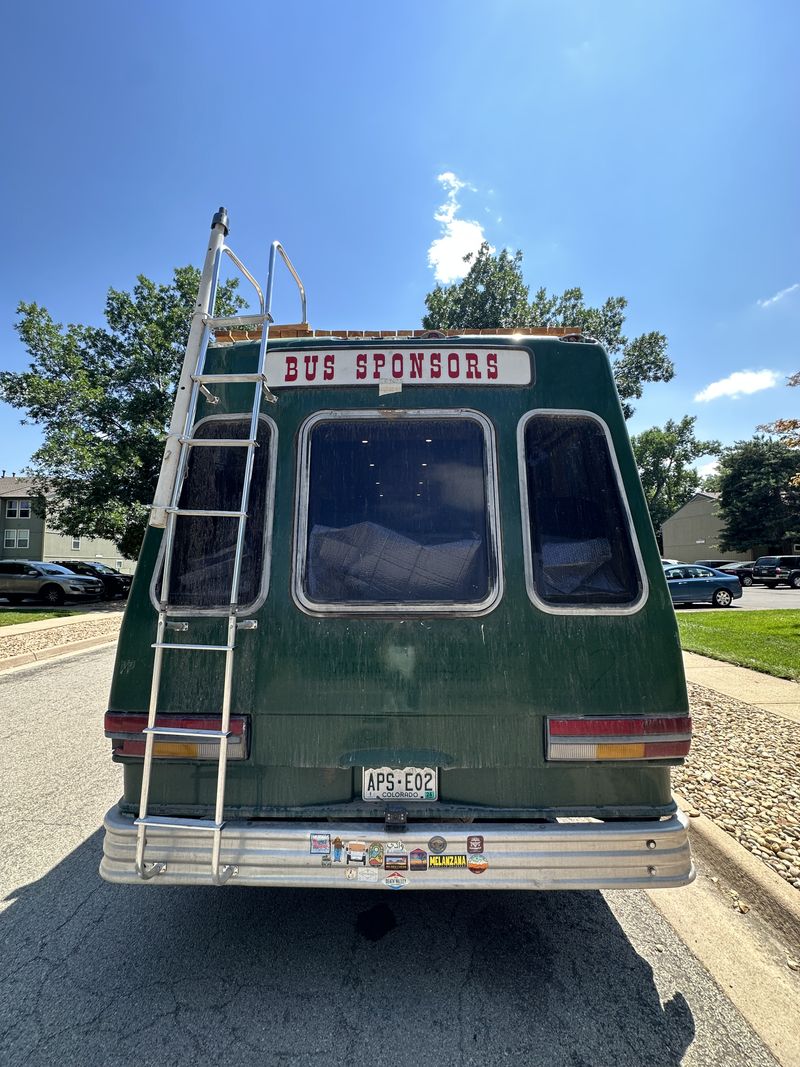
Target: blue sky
<point>641,149</point>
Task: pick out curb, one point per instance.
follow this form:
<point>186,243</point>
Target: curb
<point>775,899</point>
<point>58,650</point>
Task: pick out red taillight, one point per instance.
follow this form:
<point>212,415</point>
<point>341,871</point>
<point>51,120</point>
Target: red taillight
<point>619,738</point>
<point>125,730</point>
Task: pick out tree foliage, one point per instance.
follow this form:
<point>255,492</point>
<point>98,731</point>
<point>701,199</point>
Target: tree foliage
<point>493,295</point>
<point>786,430</point>
<point>664,457</point>
<point>759,495</point>
<point>103,396</point>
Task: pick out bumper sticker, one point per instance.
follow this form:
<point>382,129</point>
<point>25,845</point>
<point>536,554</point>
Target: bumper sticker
<point>395,881</point>
<point>475,843</point>
<point>366,874</point>
<point>437,845</point>
<point>447,861</point>
<point>477,864</point>
<point>320,844</point>
<point>418,858</point>
<point>375,854</point>
<point>395,861</point>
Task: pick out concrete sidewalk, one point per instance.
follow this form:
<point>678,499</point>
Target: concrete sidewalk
<point>777,695</point>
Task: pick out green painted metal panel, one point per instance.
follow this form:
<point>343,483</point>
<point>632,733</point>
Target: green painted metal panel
<point>327,695</point>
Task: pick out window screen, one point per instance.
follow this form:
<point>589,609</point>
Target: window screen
<point>201,573</point>
<point>581,549</point>
<point>397,512</point>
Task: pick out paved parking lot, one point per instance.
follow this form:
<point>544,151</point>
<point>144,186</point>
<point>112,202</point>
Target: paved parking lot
<point>755,598</point>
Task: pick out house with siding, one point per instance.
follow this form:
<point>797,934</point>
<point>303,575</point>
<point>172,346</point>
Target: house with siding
<point>25,534</point>
<point>694,532</point>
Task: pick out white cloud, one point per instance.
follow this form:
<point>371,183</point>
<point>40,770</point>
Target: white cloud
<point>459,236</point>
<point>705,470</point>
<point>740,383</point>
<point>770,300</point>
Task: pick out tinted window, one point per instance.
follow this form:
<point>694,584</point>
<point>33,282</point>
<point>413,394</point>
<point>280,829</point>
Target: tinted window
<point>397,512</point>
<point>201,573</point>
<point>581,548</point>
<point>52,568</point>
<point>767,561</point>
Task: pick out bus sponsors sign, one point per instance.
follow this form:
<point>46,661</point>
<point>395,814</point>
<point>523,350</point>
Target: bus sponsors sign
<point>378,366</point>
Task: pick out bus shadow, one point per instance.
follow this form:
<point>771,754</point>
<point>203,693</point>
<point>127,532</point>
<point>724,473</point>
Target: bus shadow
<point>118,974</point>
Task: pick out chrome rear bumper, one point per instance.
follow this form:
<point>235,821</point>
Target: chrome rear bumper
<point>570,855</point>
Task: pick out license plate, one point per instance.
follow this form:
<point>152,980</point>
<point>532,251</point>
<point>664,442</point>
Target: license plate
<point>392,783</point>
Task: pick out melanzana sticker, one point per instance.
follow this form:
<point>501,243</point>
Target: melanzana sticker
<point>382,366</point>
<point>447,861</point>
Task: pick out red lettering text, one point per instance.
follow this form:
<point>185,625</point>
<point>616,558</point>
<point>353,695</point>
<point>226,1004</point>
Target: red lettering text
<point>290,374</point>
<point>397,365</point>
<point>436,364</point>
<point>361,366</point>
<point>472,365</point>
<point>453,365</point>
<point>416,364</point>
<point>491,365</point>
<point>378,360</point>
<point>328,364</point>
<point>311,367</point>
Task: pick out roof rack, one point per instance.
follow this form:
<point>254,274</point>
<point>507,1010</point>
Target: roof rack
<point>301,330</point>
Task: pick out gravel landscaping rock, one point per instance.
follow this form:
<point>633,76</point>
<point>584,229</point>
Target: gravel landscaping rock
<point>36,640</point>
<point>743,772</point>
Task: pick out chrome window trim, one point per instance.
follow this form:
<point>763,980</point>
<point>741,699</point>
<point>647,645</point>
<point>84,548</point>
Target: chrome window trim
<point>406,607</point>
<point>575,609</point>
<point>269,513</point>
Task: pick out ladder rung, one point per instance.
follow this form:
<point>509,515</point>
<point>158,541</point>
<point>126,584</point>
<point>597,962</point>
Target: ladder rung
<point>223,321</point>
<point>214,379</point>
<point>183,731</point>
<point>194,648</point>
<point>204,514</point>
<point>218,442</point>
<point>167,822</point>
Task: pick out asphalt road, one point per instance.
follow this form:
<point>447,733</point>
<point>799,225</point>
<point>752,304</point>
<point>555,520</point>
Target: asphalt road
<point>754,598</point>
<point>94,974</point>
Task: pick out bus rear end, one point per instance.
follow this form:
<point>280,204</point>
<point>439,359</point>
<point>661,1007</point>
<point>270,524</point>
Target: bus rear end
<point>456,661</point>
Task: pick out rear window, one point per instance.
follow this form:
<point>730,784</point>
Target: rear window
<point>201,570</point>
<point>766,561</point>
<point>580,551</point>
<point>397,513</point>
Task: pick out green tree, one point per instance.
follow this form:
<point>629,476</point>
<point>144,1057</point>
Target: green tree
<point>103,397</point>
<point>493,295</point>
<point>664,457</point>
<point>786,430</point>
<point>759,495</point>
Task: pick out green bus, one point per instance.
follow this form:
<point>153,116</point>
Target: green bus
<point>399,621</point>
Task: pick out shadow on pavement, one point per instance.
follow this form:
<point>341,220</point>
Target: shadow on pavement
<point>100,974</point>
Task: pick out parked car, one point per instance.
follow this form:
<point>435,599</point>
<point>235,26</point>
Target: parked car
<point>671,562</point>
<point>691,584</point>
<point>114,583</point>
<point>774,570</point>
<point>22,578</point>
<point>743,571</point>
<point>715,564</point>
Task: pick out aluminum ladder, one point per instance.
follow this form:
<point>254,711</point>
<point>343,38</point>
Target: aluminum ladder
<point>193,383</point>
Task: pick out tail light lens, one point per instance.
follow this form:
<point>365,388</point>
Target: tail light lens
<point>125,731</point>
<point>656,737</point>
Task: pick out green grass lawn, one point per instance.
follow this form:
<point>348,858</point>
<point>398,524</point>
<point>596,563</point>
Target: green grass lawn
<point>767,641</point>
<point>11,618</point>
